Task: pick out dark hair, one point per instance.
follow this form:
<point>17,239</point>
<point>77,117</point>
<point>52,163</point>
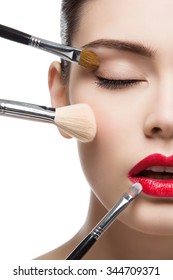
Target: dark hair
<point>70,15</point>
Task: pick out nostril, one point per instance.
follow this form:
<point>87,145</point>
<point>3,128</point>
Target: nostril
<point>156,130</point>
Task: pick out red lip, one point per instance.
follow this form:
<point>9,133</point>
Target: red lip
<point>154,187</point>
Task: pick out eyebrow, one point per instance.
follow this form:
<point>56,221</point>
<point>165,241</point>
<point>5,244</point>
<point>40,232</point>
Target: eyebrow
<point>127,46</point>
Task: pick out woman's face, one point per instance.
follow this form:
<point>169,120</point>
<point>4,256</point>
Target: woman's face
<point>131,95</point>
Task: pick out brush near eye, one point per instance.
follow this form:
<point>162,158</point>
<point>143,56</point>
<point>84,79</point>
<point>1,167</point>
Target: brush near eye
<point>89,60</point>
<point>83,57</point>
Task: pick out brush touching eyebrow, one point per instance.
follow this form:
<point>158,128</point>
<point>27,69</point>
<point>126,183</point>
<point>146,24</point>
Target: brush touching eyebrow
<point>127,46</point>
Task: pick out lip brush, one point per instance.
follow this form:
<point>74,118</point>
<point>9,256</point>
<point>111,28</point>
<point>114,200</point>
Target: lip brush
<point>107,220</point>
<point>83,57</point>
<point>76,120</point>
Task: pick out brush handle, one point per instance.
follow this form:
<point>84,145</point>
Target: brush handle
<point>66,52</point>
<point>105,222</point>
<point>82,248</point>
<point>26,110</point>
<point>100,228</point>
<point>14,35</point>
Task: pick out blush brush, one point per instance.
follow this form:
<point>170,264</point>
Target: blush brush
<point>83,57</point>
<point>105,223</point>
<point>75,120</point>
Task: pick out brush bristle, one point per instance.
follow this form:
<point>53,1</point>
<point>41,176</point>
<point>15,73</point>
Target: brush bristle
<point>77,121</point>
<point>89,60</point>
<point>135,189</point>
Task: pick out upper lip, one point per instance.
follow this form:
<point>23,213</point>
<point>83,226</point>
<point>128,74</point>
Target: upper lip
<point>151,162</point>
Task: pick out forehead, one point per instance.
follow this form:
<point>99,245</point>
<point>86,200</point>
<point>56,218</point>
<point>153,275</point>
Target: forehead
<point>147,21</point>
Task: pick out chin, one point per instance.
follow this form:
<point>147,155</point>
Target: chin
<point>151,220</point>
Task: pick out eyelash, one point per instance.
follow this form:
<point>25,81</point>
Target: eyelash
<point>116,84</point>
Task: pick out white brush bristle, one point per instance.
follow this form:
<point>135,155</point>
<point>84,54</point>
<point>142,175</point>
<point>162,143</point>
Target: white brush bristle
<point>135,189</point>
<point>77,120</point>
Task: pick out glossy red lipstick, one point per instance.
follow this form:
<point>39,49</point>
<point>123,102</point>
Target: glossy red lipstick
<point>155,174</point>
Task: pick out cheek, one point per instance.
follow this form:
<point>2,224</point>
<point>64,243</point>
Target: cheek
<point>103,159</point>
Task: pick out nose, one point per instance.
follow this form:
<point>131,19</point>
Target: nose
<point>159,120</point>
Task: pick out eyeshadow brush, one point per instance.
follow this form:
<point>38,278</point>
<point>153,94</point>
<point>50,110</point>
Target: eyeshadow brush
<point>83,57</point>
<point>76,120</point>
<point>105,223</point>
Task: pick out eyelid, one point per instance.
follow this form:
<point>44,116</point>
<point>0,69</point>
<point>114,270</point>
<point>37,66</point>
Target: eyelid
<point>119,75</point>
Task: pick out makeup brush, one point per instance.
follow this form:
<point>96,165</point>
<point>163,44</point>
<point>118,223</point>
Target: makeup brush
<point>83,57</point>
<point>75,120</point>
<point>107,220</point>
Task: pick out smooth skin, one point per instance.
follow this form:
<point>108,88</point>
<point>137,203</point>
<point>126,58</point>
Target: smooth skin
<point>133,121</point>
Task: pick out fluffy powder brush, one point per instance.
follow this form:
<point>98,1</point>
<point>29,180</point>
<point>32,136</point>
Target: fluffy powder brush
<point>75,120</point>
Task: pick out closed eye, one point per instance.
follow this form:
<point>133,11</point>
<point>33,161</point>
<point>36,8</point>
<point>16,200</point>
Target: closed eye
<point>116,84</point>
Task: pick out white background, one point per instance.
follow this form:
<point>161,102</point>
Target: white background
<point>43,193</point>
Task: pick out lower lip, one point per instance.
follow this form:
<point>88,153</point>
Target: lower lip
<point>154,187</point>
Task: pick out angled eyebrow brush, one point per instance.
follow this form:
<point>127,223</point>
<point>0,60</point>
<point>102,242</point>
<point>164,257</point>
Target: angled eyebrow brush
<point>105,223</point>
<point>83,57</point>
<point>76,120</point>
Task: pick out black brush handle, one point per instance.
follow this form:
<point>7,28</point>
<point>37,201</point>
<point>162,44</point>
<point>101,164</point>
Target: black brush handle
<point>14,35</point>
<point>82,248</point>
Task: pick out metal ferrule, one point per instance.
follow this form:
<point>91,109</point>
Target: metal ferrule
<point>96,233</point>
<point>26,110</point>
<point>65,52</point>
<point>111,215</point>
